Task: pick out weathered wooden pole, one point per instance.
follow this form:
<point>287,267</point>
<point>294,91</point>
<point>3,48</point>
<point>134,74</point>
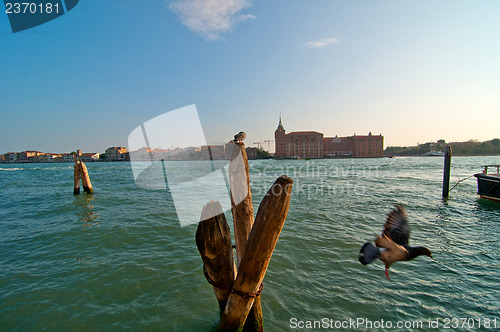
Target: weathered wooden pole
<point>241,197</point>
<point>213,239</point>
<point>242,209</point>
<point>261,242</point>
<point>77,172</point>
<point>446,173</point>
<point>76,177</point>
<point>87,186</point>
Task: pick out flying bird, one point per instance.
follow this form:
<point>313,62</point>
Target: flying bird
<point>392,246</point>
<point>239,137</point>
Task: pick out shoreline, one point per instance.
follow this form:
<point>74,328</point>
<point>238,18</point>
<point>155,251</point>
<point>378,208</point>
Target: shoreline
<point>277,159</point>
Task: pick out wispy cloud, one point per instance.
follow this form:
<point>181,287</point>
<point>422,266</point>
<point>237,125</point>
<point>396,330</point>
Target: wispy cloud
<point>210,18</point>
<point>321,42</point>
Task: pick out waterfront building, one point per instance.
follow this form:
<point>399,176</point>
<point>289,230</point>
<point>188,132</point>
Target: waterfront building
<point>191,153</point>
<point>88,157</point>
<point>143,154</point>
<point>251,153</point>
<point>312,144</point>
<point>304,144</point>
<point>10,157</point>
<point>173,154</point>
<point>337,147</point>
<point>116,153</point>
<point>68,157</point>
<point>368,146</point>
<point>53,157</point>
<point>27,156</point>
<point>279,141</point>
<point>159,154</point>
<point>217,151</point>
<point>45,158</point>
<point>299,144</point>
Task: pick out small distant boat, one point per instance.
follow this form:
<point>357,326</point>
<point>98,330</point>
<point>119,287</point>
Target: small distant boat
<point>434,153</point>
<point>488,183</point>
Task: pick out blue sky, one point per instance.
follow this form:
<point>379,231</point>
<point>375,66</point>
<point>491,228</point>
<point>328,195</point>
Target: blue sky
<point>415,71</point>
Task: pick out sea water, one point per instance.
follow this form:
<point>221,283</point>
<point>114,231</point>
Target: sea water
<point>120,260</point>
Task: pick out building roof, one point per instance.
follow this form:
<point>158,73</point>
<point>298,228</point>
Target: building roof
<point>336,138</point>
<point>304,133</point>
<point>366,136</point>
<point>280,126</point>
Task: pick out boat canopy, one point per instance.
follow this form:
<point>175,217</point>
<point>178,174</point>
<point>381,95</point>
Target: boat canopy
<point>485,169</point>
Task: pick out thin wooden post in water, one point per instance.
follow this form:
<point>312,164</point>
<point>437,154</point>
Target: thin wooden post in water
<point>76,177</point>
<point>87,186</point>
<point>446,173</point>
<point>242,209</point>
<point>241,197</point>
<point>213,239</point>
<point>261,242</point>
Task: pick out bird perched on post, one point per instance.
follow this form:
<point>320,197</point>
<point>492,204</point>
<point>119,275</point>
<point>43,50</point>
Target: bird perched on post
<point>239,137</point>
<point>392,246</point>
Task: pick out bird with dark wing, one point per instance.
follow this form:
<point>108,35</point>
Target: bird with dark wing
<point>239,137</point>
<point>392,246</point>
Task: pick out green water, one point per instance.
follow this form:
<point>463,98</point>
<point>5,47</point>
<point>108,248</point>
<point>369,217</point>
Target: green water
<point>119,260</point>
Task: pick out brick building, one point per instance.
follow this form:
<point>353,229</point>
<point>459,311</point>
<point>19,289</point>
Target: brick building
<point>368,146</point>
<point>338,147</point>
<point>279,141</point>
<point>304,144</point>
<point>299,144</point>
<point>312,144</point>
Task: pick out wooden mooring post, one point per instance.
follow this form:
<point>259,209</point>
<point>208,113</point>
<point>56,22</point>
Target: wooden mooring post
<point>242,209</point>
<point>269,221</point>
<point>80,172</point>
<point>76,178</point>
<point>87,186</point>
<point>213,239</point>
<point>446,172</point>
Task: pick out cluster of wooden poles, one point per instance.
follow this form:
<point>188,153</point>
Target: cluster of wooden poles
<point>237,287</point>
<point>80,172</point>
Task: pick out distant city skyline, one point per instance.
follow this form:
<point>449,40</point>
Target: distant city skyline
<point>414,72</point>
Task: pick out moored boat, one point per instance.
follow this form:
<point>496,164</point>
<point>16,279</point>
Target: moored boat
<point>434,153</point>
<point>488,182</point>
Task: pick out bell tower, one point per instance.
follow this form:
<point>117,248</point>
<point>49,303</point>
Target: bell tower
<point>279,139</point>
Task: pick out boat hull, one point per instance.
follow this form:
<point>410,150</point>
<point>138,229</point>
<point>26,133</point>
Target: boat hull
<point>488,186</point>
